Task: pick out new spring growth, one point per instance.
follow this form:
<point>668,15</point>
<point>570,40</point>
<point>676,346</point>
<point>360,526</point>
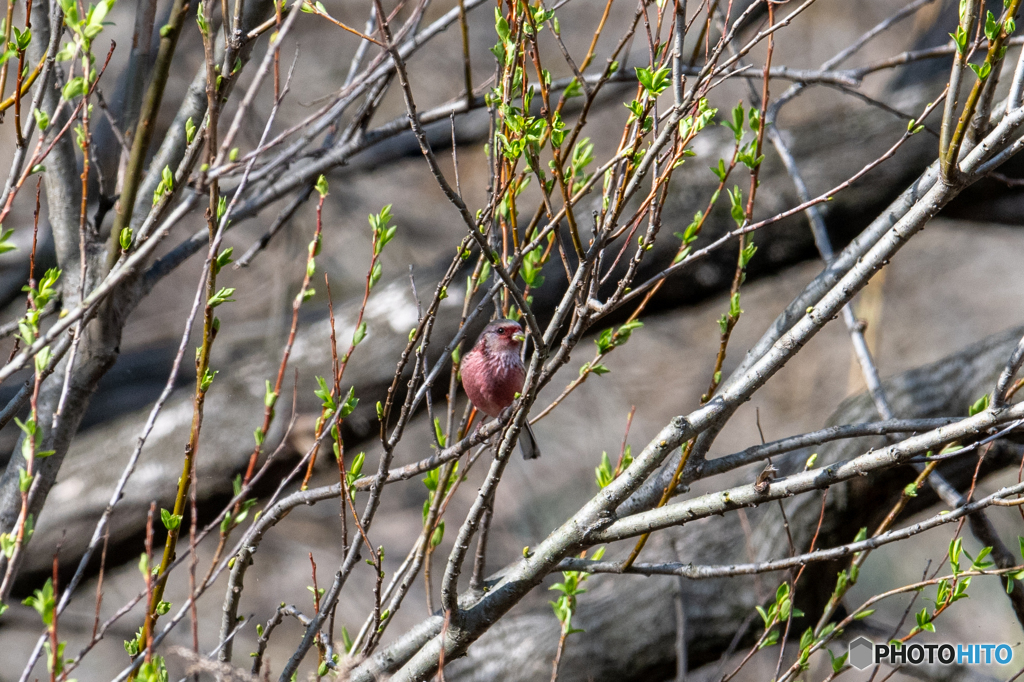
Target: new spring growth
<point>352,475</point>
<point>777,612</point>
<point>166,186</point>
<point>32,441</point>
<point>571,587</point>
<point>232,520</point>
<point>606,473</point>
<point>9,540</point>
<point>5,243</point>
<point>432,481</point>
<point>28,326</point>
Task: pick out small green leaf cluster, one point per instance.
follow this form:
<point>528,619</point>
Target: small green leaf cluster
<point>28,325</point>
<point>383,230</point>
<point>353,473</point>
<point>691,125</point>
<point>525,132</point>
<point>570,587</point>
<point>638,112</point>
<point>166,185</point>
<point>960,40</point>
<point>609,338</point>
<point>328,403</point>
<point>231,520</point>
<point>808,640</point>
<point>981,70</point>
<point>222,296</point>
<point>87,28</point>
<point>688,236</point>
<point>605,472</point>
<point>531,267</point>
<point>654,81</point>
<point>133,647</point>
<point>32,440</point>
<point>432,481</point>
<point>44,601</point>
<point>736,209</point>
<point>207,380</point>
<point>153,671</point>
<point>726,321</point>
<point>313,7</point>
<point>56,664</point>
<point>170,520</point>
<point>582,156</point>
<point>9,540</point>
<point>505,49</point>
<point>777,612</point>
<point>39,296</point>
<point>5,243</point>
<point>442,440</point>
<point>980,405</point>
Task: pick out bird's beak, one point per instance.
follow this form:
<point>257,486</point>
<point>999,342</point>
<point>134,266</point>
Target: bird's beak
<point>519,336</point>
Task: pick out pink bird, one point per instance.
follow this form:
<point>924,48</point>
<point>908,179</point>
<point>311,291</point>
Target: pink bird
<point>492,374</point>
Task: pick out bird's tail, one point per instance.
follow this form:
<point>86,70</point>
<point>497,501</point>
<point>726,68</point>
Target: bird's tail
<point>528,443</point>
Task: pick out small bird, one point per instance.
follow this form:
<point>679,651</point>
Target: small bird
<point>492,374</point>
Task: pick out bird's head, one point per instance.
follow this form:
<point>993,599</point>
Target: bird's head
<point>502,336</point>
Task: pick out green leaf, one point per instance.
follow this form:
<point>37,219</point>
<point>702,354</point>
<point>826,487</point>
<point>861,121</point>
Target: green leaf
<point>43,601</point>
<point>992,26</point>
<point>359,334</point>
<point>42,118</point>
<point>170,521</point>
<point>73,88</point>
<point>604,471</point>
<point>437,535</point>
<point>24,480</point>
<point>6,245</point>
<point>125,238</point>
<point>982,71</point>
<point>357,464</point>
<point>439,432</point>
<point>980,405</point>
<point>654,82</point>
<point>501,25</point>
<point>747,254</point>
<point>771,639</point>
<point>350,403</point>
<point>223,295</point>
<point>223,259</point>
<point>736,205</point>
<point>207,381</point>
<point>720,171</point>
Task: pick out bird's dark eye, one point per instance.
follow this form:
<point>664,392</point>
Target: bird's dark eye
<point>501,330</point>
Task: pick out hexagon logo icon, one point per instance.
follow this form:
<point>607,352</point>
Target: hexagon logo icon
<point>861,653</point>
